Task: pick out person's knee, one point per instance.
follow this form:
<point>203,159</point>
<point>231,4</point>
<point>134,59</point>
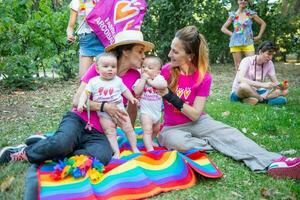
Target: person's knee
<point>243,87</point>
<point>147,131</point>
<point>60,148</point>
<point>105,158</point>
<point>127,128</point>
<point>175,144</point>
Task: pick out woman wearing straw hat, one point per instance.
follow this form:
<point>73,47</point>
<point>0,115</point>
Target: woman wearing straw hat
<point>129,47</point>
<point>72,138</point>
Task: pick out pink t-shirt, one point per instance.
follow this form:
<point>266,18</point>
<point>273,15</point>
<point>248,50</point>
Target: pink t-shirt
<point>128,79</point>
<point>262,71</point>
<point>187,90</point>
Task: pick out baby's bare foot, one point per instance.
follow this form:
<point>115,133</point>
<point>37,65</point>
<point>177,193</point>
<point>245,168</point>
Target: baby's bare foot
<point>136,150</point>
<point>116,155</point>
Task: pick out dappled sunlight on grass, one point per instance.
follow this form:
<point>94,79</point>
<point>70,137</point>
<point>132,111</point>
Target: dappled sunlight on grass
<point>275,128</point>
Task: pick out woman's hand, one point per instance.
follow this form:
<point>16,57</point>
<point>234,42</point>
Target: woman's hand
<point>81,106</point>
<point>256,38</point>
<point>268,85</point>
<point>114,112</point>
<point>71,38</point>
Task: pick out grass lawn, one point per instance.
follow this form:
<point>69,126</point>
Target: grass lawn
<point>275,128</point>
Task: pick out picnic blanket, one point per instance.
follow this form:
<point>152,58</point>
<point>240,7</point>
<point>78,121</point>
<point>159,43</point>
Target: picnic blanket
<point>133,176</point>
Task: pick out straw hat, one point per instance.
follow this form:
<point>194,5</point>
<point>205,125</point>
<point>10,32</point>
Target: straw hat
<point>130,37</point>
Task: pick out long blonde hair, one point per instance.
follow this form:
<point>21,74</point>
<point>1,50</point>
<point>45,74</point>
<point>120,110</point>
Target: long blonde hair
<point>195,44</point>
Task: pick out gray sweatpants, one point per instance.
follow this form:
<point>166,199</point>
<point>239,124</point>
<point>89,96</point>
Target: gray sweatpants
<point>208,134</point>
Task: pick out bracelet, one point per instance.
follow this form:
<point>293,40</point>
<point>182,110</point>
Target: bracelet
<point>102,106</point>
<point>174,100</point>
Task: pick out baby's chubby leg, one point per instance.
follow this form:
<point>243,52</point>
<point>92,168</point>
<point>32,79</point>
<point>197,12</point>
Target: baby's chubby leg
<point>147,125</point>
<point>109,128</point>
<point>156,129</point>
<point>127,128</point>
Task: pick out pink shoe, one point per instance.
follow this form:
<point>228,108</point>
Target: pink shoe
<point>285,168</point>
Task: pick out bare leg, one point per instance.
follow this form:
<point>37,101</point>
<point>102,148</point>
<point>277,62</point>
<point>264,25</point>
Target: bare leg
<point>249,53</point>
<point>110,130</point>
<point>237,56</point>
<point>246,92</point>
<point>156,130</point>
<point>130,134</point>
<point>147,123</point>
<point>277,93</point>
<point>84,63</point>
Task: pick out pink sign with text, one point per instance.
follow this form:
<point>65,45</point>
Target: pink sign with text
<point>109,17</point>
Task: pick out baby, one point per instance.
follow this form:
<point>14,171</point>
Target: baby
<point>150,101</point>
<point>109,88</point>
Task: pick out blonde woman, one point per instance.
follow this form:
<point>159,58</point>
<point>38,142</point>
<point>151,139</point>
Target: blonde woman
<point>186,126</point>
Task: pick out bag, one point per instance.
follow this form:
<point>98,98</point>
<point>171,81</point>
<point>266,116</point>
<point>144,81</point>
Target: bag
<point>109,17</point>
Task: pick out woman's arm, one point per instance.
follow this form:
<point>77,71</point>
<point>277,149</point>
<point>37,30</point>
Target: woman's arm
<point>71,25</point>
<point>82,100</point>
<point>225,26</point>
<point>192,112</point>
<point>78,93</point>
<point>262,24</point>
<point>274,79</point>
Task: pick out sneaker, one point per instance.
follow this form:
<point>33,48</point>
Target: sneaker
<point>10,153</point>
<point>285,168</point>
<point>34,139</point>
<point>277,101</point>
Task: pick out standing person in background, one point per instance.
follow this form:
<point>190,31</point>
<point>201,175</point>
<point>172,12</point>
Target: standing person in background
<point>186,126</point>
<point>241,38</point>
<point>89,45</point>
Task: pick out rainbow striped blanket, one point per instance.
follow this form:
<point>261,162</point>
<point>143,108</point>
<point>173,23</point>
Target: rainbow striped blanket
<point>133,176</point>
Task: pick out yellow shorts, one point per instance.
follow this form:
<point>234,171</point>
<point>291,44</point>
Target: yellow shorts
<point>244,48</point>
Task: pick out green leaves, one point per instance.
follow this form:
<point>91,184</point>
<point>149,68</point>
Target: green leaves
<point>164,18</point>
<point>32,35</point>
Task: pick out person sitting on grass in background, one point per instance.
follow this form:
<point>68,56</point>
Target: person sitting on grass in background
<point>150,101</point>
<point>249,85</point>
<point>109,88</point>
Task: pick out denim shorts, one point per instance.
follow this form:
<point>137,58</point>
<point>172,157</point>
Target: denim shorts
<point>234,98</point>
<point>90,45</point>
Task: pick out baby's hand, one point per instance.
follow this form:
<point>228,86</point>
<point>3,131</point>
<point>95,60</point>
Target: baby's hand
<point>134,101</point>
<point>145,76</point>
<point>158,82</point>
<point>81,107</point>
